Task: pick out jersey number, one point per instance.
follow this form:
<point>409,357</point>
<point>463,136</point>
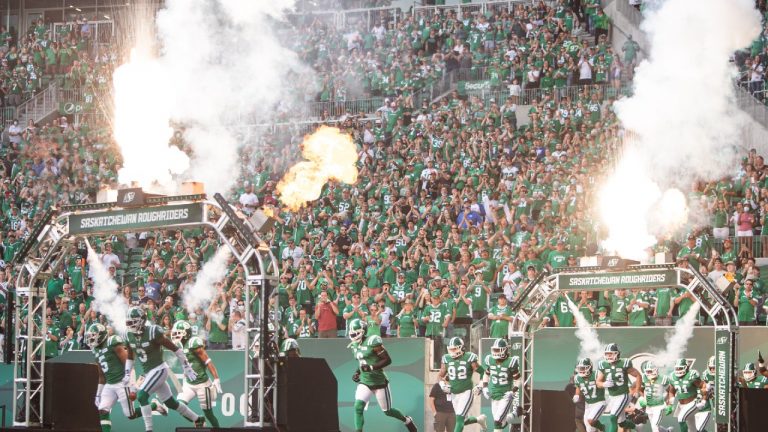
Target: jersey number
<point>103,363</point>
<point>457,373</point>
<point>141,354</point>
<point>499,378</point>
<point>616,376</point>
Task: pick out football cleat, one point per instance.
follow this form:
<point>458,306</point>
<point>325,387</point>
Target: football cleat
<point>181,332</point>
<point>481,421</point>
<point>749,372</point>
<point>455,347</point>
<point>681,367</point>
<point>160,407</point>
<point>357,330</point>
<point>584,367</point>
<point>499,349</point>
<point>410,424</point>
<point>136,320</point>
<point>611,352</point>
<point>650,370</point>
<point>96,335</point>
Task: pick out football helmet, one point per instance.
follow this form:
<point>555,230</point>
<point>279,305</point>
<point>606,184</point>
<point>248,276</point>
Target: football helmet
<point>611,353</point>
<point>455,347</point>
<point>681,367</point>
<point>749,372</point>
<point>96,335</point>
<point>584,367</point>
<point>711,364</point>
<point>650,370</point>
<point>136,320</point>
<point>500,349</point>
<point>357,330</point>
<point>290,348</point>
<point>181,332</point>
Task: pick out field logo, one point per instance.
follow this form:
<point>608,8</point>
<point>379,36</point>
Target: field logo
<point>637,361</point>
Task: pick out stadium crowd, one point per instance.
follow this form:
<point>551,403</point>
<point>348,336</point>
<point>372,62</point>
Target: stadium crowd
<point>459,204</point>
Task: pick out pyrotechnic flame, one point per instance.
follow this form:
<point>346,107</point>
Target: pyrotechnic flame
<point>331,155</point>
<point>142,123</point>
<point>107,298</point>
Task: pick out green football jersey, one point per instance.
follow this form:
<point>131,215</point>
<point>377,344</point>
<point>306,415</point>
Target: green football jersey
<point>197,365</point>
<point>685,387</point>
<point>758,383</point>
<point>147,347</point>
<point>365,354</point>
<point>110,364</point>
<point>501,375</point>
<point>405,321</point>
<point>655,390</point>
<point>588,388</point>
<point>709,378</point>
<point>460,371</point>
<point>616,372</point>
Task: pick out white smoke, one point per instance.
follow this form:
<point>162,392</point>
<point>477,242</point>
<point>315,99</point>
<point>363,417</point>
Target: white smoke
<point>221,66</point>
<point>590,347</point>
<point>677,338</point>
<point>228,67</point>
<point>683,113</point>
<point>107,299</point>
<point>204,288</point>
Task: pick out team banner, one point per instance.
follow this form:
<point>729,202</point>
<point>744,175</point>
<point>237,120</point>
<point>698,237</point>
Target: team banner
<point>464,87</point>
<point>623,280</point>
<point>724,367</point>
<point>131,219</point>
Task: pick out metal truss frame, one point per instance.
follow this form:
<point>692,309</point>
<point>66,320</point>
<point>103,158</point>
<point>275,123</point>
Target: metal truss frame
<point>51,244</point>
<point>538,297</point>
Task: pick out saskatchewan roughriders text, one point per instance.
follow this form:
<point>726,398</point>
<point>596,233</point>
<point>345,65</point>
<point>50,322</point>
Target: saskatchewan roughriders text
<point>134,218</point>
<point>618,280</point>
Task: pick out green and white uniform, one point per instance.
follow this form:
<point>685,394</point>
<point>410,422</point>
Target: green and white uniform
<point>460,378</point>
<point>500,384</point>
<point>202,386</point>
<point>374,382</point>
<point>594,397</point>
<point>655,394</point>
<point>618,395</point>
<point>705,414</point>
<point>148,349</point>
<point>758,383</point>
<point>686,388</point>
<point>114,371</point>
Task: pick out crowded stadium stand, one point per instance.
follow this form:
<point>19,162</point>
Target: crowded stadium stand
<point>483,130</point>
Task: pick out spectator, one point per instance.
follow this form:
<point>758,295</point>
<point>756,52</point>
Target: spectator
<point>238,330</point>
<point>442,410</point>
<point>325,314</point>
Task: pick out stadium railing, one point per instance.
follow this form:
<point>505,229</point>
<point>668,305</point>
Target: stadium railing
<point>470,8</point>
<point>528,96</point>
<point>101,31</point>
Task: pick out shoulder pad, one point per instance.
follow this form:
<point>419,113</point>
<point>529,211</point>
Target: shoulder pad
<point>487,359</point>
<point>195,343</point>
<point>115,340</point>
<point>601,365</point>
<point>446,359</point>
<point>626,363</point>
<point>155,332</point>
<point>515,362</point>
<point>471,357</point>
<point>694,374</point>
<point>373,340</point>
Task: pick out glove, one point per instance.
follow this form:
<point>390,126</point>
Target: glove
<point>575,398</point>
<point>217,384</point>
<point>128,369</point>
<point>701,404</point>
<point>478,390</point>
<point>608,384</point>
<point>99,389</point>
<point>445,386</point>
<point>366,368</point>
<point>356,376</point>
<point>189,373</point>
<point>97,401</point>
<point>668,410</point>
<point>486,392</point>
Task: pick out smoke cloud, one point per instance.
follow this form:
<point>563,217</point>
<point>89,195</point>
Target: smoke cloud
<point>591,347</point>
<point>221,65</point>
<point>677,338</point>
<point>683,118</point>
<point>204,288</point>
<point>107,298</point>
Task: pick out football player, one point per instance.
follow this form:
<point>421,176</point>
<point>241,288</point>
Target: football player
<point>749,378</point>
<point>613,374</point>
<point>500,381</point>
<point>456,380</point>
<point>146,342</point>
<point>202,386</point>
<point>685,385</point>
<point>708,376</point>
<point>370,377</point>
<point>115,367</point>
<point>654,397</point>
<point>594,396</point>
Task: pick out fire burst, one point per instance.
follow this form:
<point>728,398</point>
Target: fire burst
<point>331,155</point>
